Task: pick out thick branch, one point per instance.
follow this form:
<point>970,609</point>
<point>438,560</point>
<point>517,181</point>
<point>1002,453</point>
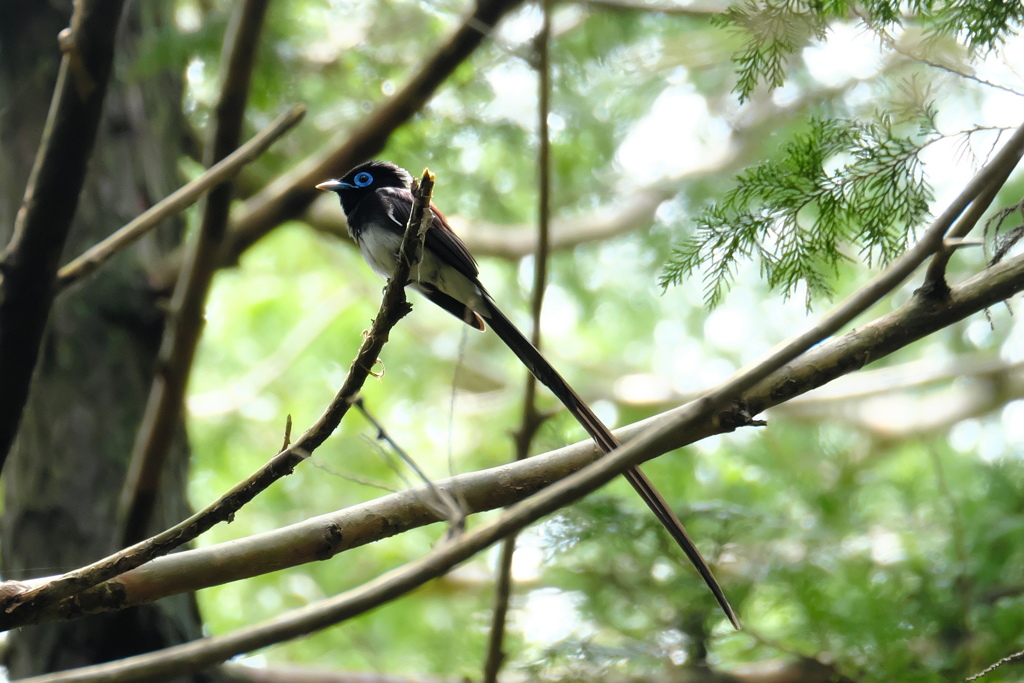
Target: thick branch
<point>29,263</point>
<point>322,537</point>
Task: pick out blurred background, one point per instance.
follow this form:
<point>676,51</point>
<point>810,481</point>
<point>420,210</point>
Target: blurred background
<point>868,533</point>
<point>869,526</point>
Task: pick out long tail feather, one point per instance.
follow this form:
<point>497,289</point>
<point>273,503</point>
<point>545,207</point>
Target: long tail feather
<point>547,375</point>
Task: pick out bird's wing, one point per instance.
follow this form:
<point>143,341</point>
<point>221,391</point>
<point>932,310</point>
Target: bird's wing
<point>441,240</point>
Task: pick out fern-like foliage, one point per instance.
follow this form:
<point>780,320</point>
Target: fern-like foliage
<point>773,31</point>
<point>982,24</point>
<point>841,183</point>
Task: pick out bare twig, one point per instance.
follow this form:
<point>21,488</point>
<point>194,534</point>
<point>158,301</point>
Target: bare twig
<point>29,263</point>
<point>886,37</point>
<point>543,246</point>
<point>449,508</point>
<point>935,276</point>
<point>287,432</point>
<point>393,307</point>
<point>531,417</point>
<point>322,537</point>
<point>1009,659</point>
<point>180,199</point>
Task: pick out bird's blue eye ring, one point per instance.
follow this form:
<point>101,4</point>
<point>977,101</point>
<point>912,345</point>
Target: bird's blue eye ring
<point>362,179</point>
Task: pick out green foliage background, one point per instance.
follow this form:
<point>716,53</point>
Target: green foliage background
<point>893,555</point>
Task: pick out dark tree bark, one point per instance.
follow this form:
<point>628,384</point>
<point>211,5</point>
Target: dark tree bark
<point>68,464</point>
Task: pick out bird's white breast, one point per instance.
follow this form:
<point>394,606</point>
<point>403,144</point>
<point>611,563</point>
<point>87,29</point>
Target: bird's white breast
<point>380,249</point>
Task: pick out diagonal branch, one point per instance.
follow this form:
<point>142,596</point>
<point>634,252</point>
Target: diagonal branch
<point>93,258</point>
<point>19,603</point>
<point>29,263</point>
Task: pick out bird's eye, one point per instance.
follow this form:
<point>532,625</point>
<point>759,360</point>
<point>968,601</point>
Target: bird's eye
<point>362,179</point>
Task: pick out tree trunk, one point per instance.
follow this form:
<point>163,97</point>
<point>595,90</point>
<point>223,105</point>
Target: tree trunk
<point>63,477</point>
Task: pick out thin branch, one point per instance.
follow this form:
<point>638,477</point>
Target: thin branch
<point>1009,659</point>
<point>184,325</point>
<point>893,45</point>
<point>354,478</point>
<point>28,265</point>
<point>450,509</point>
<point>180,199</point>
<point>393,307</point>
<point>322,537</point>
<point>935,276</point>
<point>542,250</point>
<point>531,417</point>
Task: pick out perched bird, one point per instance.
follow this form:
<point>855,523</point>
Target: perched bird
<point>376,199</point>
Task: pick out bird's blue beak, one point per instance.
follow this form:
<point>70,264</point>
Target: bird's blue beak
<point>332,185</point>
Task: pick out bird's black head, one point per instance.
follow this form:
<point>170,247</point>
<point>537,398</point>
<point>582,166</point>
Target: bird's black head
<point>364,179</point>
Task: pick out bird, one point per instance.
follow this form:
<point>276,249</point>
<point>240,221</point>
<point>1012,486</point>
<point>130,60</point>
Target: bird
<point>377,201</point>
